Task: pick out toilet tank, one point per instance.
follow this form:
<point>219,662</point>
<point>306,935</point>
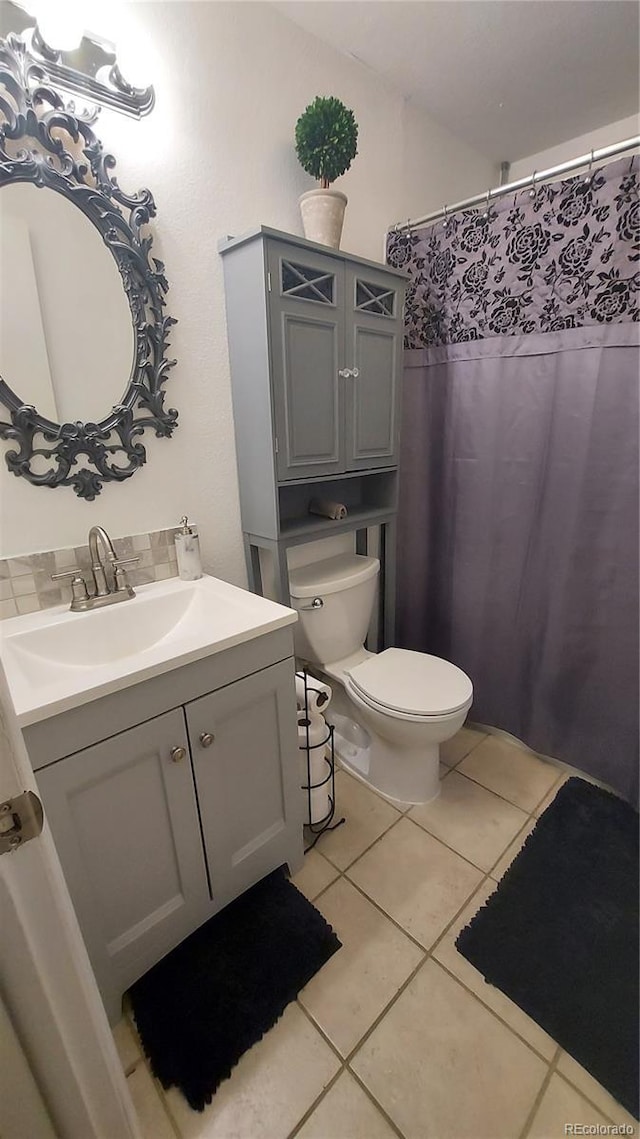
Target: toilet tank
<point>346,584</point>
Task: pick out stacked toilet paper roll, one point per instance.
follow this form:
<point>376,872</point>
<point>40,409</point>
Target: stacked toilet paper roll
<point>311,694</point>
<point>314,769</point>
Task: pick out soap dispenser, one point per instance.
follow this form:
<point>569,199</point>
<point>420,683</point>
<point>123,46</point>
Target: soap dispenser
<point>188,551</point>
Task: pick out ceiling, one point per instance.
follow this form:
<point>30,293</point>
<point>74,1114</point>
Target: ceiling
<point>510,77</point>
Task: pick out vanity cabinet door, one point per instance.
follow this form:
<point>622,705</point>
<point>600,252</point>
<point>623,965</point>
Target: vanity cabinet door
<point>306,328</point>
<point>125,823</point>
<point>246,762</point>
<point>374,344</point>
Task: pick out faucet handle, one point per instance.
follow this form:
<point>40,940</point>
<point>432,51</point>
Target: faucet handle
<point>120,575</point>
<point>78,584</point>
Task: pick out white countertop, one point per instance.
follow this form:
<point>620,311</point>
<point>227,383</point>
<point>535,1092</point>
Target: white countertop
<point>56,660</point>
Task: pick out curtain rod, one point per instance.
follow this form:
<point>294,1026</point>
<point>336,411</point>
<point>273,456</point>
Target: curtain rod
<point>531,180</point>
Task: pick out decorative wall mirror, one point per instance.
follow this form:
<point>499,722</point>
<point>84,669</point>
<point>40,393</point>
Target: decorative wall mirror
<point>83,329</point>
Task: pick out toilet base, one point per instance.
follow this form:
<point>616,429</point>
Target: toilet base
<point>403,776</point>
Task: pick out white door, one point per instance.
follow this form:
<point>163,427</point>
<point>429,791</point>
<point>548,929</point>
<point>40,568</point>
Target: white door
<point>54,1015</point>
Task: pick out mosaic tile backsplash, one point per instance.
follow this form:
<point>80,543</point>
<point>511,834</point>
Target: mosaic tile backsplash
<point>26,585</point>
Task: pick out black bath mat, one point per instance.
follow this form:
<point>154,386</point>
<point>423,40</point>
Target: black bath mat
<point>560,934</point>
<point>217,993</point>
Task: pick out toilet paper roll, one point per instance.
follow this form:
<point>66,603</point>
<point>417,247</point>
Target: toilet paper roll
<point>328,509</point>
<point>312,735</point>
<point>318,694</point>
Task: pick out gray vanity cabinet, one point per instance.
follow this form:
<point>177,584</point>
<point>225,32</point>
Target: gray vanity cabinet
<point>193,797</point>
<point>124,818</point>
<point>246,795</point>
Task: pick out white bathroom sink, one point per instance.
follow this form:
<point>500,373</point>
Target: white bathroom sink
<point>56,660</point>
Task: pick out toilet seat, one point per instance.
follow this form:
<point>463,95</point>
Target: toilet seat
<point>410,685</point>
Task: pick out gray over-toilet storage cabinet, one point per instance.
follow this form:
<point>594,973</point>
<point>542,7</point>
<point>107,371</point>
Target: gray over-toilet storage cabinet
<point>315,345</point>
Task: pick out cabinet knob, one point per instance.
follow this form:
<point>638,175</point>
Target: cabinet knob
<point>345,373</point>
<point>206,739</point>
<point>178,753</point>
<point>355,372</point>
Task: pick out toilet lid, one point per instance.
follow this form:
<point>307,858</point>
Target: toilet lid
<point>414,683</point>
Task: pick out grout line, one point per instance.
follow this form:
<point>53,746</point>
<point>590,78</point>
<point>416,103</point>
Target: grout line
<point>541,1094</point>
<point>378,907</point>
<point>159,1090</point>
<point>165,1103</point>
<point>522,1039</point>
<point>453,766</point>
<point>377,1105</point>
<point>592,1103</point>
<point>372,1027</point>
<point>343,870</point>
<point>316,1103</point>
<point>436,838</point>
<point>515,838</point>
<point>327,1039</point>
<point>453,849</point>
<point>527,810</point>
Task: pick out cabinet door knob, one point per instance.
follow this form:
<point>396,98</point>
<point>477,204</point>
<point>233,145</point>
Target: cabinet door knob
<point>355,372</point>
<point>206,739</point>
<point>345,373</point>
<point>178,753</point>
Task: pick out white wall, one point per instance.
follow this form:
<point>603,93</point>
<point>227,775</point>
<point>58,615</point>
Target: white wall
<point>231,79</point>
<point>574,147</point>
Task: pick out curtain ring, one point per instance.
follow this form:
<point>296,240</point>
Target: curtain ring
<point>485,216</point>
<point>589,178</point>
<point>533,191</point>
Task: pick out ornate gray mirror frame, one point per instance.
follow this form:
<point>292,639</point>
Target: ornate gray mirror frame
<point>43,143</point>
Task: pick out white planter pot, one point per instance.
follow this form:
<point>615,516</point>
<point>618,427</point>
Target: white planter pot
<point>322,216</point>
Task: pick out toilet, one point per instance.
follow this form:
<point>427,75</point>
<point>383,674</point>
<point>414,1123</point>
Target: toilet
<point>392,709</point>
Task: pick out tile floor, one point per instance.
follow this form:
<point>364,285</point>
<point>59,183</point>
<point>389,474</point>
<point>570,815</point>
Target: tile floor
<point>399,1035</point>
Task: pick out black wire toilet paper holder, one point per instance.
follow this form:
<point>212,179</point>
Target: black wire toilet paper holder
<point>316,829</point>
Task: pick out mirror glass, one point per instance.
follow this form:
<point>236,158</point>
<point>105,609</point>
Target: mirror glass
<point>66,336</point>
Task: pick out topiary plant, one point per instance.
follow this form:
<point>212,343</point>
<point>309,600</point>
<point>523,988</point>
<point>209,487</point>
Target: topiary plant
<point>326,139</point>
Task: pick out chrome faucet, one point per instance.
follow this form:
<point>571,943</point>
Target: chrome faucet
<point>98,533</point>
<point>107,589</point>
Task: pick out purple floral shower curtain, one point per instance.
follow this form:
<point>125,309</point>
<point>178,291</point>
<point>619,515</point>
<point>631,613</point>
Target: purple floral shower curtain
<point>518,528</point>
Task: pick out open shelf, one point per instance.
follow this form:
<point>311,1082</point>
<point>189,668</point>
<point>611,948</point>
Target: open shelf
<point>369,498</point>
<point>313,526</point>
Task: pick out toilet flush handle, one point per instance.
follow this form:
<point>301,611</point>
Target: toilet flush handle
<point>317,603</point>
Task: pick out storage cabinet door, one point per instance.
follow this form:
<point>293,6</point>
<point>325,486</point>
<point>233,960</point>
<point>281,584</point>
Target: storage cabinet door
<point>374,337</point>
<point>306,328</point>
<point>245,753</point>
<point>125,823</point>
